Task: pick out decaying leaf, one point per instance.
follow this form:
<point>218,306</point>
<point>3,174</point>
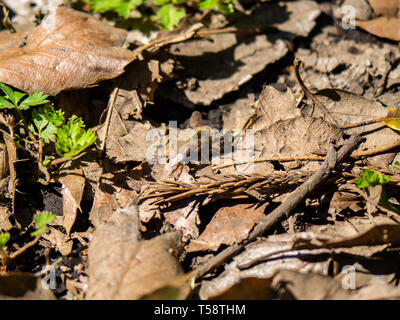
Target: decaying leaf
<point>23,286</point>
<point>347,108</point>
<point>376,235</point>
<point>122,267</point>
<point>5,223</point>
<point>383,27</point>
<point>385,8</point>
<point>73,186</point>
<point>69,50</point>
<point>59,240</point>
<point>264,258</point>
<point>247,289</point>
<point>184,218</point>
<point>361,67</point>
<point>229,225</point>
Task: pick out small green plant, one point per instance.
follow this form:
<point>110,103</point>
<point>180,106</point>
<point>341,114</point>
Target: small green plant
<point>168,12</point>
<point>4,237</point>
<point>371,181</point>
<point>395,167</point>
<point>41,221</point>
<point>43,128</point>
<point>371,178</point>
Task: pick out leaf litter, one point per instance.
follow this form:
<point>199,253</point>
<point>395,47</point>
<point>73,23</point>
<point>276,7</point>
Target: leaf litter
<point>152,228</point>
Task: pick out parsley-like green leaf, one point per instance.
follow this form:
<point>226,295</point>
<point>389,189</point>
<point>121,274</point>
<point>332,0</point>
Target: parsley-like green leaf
<point>169,16</point>
<point>41,222</point>
<point>4,237</point>
<point>46,120</point>
<point>18,96</point>
<point>223,6</point>
<point>72,138</point>
<point>8,91</point>
<point>35,99</point>
<point>5,104</point>
<point>371,178</point>
<point>104,5</point>
<point>126,7</point>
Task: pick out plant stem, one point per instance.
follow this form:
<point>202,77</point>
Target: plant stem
<point>4,256</point>
<point>24,248</point>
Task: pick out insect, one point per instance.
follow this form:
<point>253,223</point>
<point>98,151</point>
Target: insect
<point>392,119</point>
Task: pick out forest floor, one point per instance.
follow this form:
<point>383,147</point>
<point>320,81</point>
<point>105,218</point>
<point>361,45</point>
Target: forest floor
<point>229,163</point>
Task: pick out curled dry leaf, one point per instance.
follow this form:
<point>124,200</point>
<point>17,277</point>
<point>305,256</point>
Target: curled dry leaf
<point>68,50</point>
<point>73,186</point>
<point>229,225</point>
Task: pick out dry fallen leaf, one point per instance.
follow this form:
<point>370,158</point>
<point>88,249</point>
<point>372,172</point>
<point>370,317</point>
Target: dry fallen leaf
<point>375,236</point>
<point>23,286</point>
<point>59,240</point>
<point>348,108</point>
<point>122,267</point>
<point>68,50</point>
<point>383,27</point>
<point>361,67</point>
<point>310,286</point>
<point>73,186</point>
<point>385,7</point>
<point>262,259</point>
<point>247,289</point>
<point>229,225</point>
<point>184,217</point>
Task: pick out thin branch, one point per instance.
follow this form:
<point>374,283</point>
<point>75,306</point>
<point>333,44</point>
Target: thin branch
<point>24,248</point>
<point>291,202</point>
<point>108,119</point>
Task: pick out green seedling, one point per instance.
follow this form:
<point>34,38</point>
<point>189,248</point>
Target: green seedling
<point>374,183</point>
<point>395,167</point>
<point>12,99</point>
<point>41,221</point>
<point>168,12</point>
<point>72,138</point>
<point>44,126</point>
<point>371,178</point>
<point>4,237</point>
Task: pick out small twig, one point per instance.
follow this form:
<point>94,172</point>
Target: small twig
<point>355,154</point>
<point>377,150</point>
<point>24,248</point>
<point>64,159</point>
<point>308,93</point>
<point>194,32</point>
<point>108,118</point>
<point>280,159</point>
<point>291,202</point>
